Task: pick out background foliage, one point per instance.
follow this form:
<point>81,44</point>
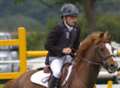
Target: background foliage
<point>39,17</point>
<point>104,23</point>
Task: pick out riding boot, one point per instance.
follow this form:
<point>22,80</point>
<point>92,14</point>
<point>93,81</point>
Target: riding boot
<point>54,82</point>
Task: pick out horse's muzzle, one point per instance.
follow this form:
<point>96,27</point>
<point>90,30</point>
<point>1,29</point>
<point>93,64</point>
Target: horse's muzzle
<point>112,68</point>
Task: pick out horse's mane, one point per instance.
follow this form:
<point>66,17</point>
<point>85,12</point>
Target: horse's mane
<point>93,38</point>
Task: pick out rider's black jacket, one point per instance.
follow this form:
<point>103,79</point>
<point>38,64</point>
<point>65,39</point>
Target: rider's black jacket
<point>60,37</point>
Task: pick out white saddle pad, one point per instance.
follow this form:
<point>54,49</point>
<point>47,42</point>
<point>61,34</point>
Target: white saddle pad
<point>40,78</point>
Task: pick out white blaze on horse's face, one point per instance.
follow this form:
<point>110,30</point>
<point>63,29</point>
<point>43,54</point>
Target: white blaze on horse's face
<point>113,66</point>
<point>109,47</point>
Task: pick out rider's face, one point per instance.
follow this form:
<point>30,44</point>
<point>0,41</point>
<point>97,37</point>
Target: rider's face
<point>71,20</point>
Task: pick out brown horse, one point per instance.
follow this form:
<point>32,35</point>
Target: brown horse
<point>92,54</point>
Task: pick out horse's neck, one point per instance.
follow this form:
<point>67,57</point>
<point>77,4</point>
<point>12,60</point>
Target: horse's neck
<point>85,74</point>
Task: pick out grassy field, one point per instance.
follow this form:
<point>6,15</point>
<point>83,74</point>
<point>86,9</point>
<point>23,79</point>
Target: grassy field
<point>1,86</point>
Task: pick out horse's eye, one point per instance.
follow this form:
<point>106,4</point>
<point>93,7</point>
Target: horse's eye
<point>101,49</point>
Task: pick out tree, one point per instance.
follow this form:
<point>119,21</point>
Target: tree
<point>89,8</point>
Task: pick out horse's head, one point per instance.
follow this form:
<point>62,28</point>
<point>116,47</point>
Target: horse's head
<point>104,53</point>
<point>96,49</point>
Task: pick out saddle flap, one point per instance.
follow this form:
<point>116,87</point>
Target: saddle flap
<point>40,78</point>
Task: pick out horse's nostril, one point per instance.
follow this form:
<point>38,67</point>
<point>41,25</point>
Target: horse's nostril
<point>112,65</point>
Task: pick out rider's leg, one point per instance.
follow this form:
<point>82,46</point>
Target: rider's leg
<point>54,82</point>
<point>56,66</point>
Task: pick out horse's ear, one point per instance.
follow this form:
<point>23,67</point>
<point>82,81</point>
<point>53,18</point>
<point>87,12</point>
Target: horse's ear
<point>101,35</point>
<point>100,38</point>
<point>107,36</point>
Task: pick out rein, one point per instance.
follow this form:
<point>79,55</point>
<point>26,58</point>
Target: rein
<point>91,62</point>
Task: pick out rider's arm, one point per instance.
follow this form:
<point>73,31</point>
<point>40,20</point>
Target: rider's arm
<point>77,41</point>
<point>52,41</point>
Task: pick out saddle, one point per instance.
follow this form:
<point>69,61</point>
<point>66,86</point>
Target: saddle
<point>42,77</point>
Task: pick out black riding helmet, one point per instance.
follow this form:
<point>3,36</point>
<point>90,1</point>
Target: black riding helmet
<point>69,10</point>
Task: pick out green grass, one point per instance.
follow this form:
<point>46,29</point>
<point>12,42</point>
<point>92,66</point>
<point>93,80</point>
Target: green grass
<point>1,86</point>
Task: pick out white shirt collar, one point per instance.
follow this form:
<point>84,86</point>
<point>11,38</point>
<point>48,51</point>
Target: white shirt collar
<point>69,27</point>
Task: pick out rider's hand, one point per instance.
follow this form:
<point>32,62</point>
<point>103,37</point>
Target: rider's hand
<point>46,69</point>
<point>67,50</point>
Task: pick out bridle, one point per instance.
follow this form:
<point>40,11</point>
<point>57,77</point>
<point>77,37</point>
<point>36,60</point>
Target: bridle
<point>102,58</point>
